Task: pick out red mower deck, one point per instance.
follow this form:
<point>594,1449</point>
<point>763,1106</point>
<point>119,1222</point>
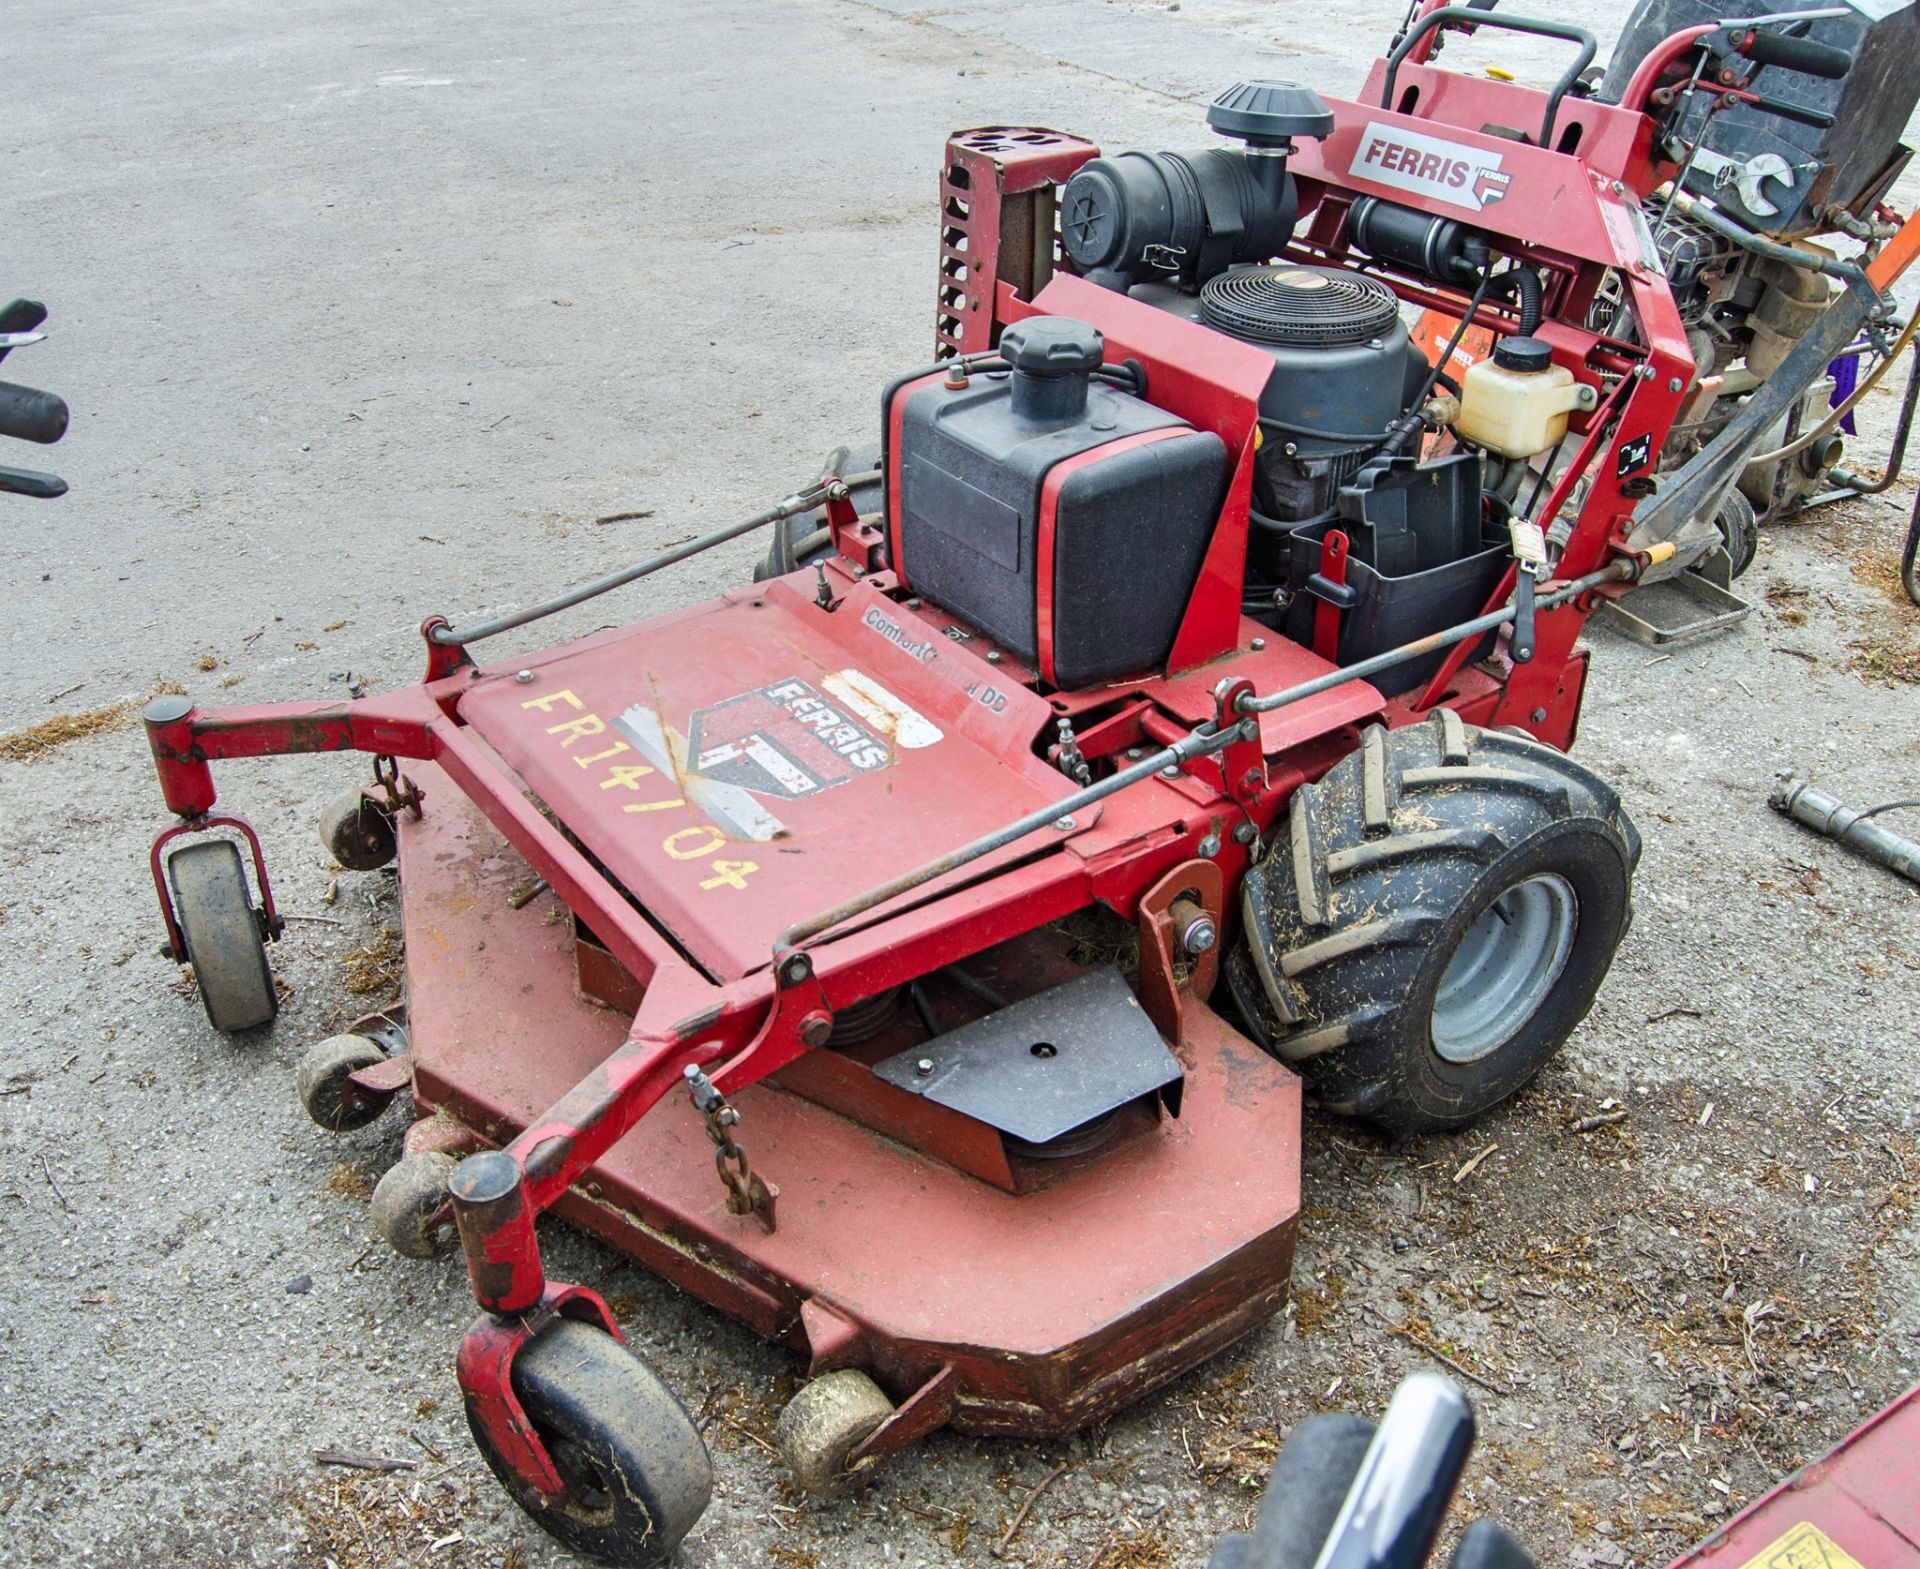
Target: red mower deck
<point>1050,1307</point>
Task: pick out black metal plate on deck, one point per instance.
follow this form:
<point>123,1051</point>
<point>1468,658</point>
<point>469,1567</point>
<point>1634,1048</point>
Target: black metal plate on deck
<point>1046,1065</point>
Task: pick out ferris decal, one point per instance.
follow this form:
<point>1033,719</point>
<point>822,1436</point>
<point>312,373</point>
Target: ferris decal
<point>793,739</point>
<point>783,740</point>
<point>1427,165</point>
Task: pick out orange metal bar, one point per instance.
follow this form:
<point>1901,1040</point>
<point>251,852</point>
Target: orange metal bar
<point>1896,256</point>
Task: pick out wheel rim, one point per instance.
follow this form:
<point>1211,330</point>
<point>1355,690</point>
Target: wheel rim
<point>1504,967</point>
<point>588,1494</point>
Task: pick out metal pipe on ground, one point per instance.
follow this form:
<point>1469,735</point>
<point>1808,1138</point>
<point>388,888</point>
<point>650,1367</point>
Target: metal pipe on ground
<point>1821,812</point>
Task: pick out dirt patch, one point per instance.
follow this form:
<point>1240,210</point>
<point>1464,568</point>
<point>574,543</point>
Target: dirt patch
<point>36,741</point>
<point>737,1416</point>
<point>1657,1317</point>
<point>1880,571</point>
<point>1788,602</point>
<point>1147,1549</point>
<point>1891,661</point>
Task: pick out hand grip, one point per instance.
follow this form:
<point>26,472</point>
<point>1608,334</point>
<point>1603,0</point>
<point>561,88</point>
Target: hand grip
<point>30,482</point>
<point>31,415</point>
<point>1792,54</point>
<point>1393,1508</point>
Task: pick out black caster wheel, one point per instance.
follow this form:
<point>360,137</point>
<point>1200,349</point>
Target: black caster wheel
<point>412,1208</point>
<point>823,1424</point>
<point>221,929</point>
<point>357,833</point>
<point>322,1078</point>
<point>636,1470</point>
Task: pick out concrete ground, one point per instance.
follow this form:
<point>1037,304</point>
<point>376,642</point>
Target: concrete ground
<point>369,311</point>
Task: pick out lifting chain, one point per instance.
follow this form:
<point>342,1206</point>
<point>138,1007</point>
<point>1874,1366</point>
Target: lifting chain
<point>747,1192</point>
<point>391,790</point>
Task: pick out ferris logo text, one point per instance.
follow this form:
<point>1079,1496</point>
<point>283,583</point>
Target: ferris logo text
<point>1409,161</point>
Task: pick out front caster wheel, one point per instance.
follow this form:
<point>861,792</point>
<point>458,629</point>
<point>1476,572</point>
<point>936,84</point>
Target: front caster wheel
<point>412,1208</point>
<point>822,1425</point>
<point>221,929</point>
<point>1435,921</point>
<point>636,1471</point>
<point>356,832</point>
<point>322,1082</point>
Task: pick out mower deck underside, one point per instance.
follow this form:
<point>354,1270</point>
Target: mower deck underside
<point>1053,1307</point>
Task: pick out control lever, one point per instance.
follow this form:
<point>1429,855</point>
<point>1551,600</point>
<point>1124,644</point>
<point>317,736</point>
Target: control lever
<point>1819,119</point>
<point>27,413</point>
<point>1530,557</point>
<point>1764,46</point>
<point>32,415</point>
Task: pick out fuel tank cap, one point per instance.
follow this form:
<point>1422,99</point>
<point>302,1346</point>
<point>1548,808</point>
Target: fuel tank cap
<point>1052,346</point>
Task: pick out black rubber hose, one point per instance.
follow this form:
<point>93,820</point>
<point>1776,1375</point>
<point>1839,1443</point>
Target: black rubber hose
<point>1525,282</point>
<point>1400,429</point>
<point>1909,577</point>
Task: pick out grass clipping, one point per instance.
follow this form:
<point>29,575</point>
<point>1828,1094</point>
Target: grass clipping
<point>376,968</point>
<point>36,741</point>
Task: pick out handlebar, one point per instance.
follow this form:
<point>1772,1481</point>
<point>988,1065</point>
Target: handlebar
<point>31,415</point>
<point>1392,1511</point>
<point>1472,16</point>
<point>1792,54</point>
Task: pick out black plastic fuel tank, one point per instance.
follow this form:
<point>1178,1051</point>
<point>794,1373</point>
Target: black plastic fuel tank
<point>1063,517</point>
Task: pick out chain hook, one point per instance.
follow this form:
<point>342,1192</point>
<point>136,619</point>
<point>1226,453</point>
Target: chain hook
<point>747,1192</point>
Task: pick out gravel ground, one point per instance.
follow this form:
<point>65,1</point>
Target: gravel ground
<point>369,311</point>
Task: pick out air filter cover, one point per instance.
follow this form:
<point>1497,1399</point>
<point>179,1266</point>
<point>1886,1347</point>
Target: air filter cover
<point>1290,303</point>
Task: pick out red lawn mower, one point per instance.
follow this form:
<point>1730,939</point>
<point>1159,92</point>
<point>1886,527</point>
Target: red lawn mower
<point>1190,625</point>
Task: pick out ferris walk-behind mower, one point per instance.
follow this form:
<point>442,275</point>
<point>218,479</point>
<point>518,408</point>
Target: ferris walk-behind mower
<point>1191,625</point>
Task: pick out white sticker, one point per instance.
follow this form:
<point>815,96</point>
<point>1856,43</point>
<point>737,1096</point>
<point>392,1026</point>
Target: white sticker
<point>1413,161</point>
<point>910,729</point>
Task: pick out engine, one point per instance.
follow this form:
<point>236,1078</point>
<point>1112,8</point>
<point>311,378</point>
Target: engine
<point>1048,501</point>
<point>1344,370</point>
